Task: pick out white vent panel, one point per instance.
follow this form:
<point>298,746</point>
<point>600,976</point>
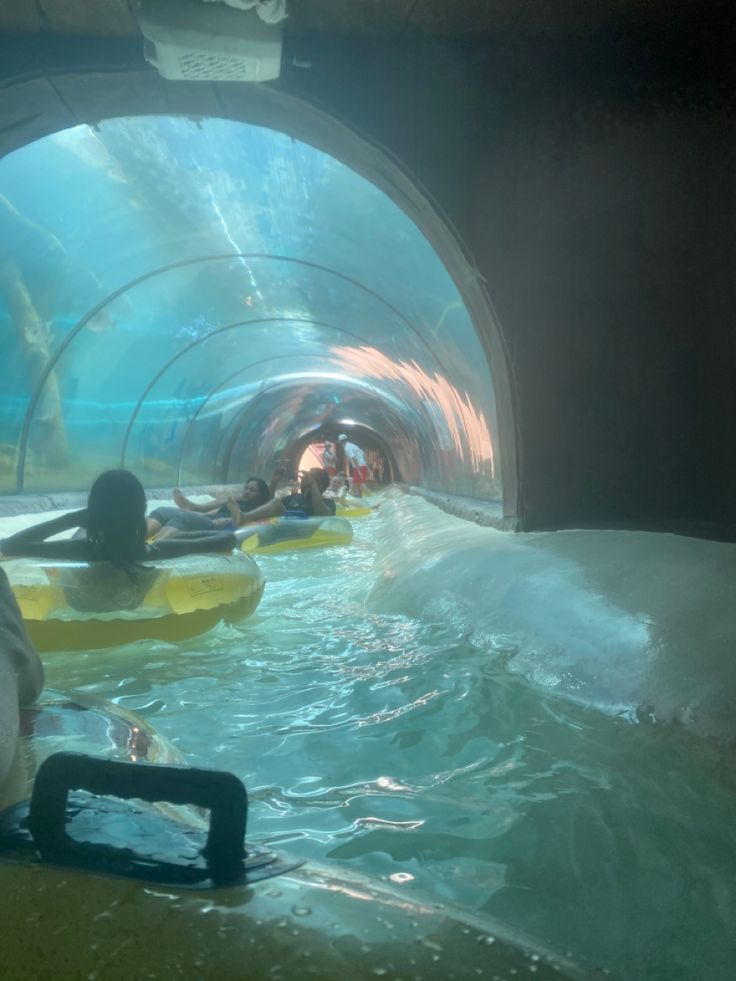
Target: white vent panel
<point>191,41</point>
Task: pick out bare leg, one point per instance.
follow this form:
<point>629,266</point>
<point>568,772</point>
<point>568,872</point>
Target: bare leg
<point>168,531</point>
<point>211,507</point>
<point>181,501</point>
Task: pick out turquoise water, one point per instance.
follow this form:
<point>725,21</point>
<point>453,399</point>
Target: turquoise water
<point>405,747</point>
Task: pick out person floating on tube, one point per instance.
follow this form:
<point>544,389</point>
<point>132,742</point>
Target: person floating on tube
<point>355,458</point>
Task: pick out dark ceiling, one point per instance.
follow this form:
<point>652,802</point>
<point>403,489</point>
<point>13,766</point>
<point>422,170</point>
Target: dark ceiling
<point>449,18</point>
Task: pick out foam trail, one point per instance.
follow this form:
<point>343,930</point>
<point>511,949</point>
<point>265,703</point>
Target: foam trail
<point>626,621</point>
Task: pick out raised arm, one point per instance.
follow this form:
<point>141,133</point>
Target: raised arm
<point>192,543</point>
<point>236,515</point>
<point>277,476</point>
<point>32,541</point>
<point>320,507</point>
<point>271,509</point>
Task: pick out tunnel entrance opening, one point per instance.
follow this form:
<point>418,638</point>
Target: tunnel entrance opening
<point>323,448</point>
<point>222,321</point>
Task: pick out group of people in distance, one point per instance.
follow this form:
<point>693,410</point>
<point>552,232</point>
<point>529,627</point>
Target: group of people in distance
<point>258,502</point>
<point>355,463</point>
<point>114,528</point>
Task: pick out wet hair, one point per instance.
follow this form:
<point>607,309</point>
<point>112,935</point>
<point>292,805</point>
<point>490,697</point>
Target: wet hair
<point>321,478</point>
<point>264,494</point>
<point>116,519</point>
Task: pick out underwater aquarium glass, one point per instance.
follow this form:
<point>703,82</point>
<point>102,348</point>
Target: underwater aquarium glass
<point>194,299</point>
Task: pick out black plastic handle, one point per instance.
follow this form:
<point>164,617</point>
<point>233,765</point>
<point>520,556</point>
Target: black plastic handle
<point>223,794</point>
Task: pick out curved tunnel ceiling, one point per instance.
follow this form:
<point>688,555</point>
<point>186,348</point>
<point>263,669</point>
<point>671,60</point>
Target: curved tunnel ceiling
<point>169,288</point>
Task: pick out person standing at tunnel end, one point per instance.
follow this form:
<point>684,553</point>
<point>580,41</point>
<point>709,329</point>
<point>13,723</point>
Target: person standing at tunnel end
<point>329,460</point>
<point>355,458</point>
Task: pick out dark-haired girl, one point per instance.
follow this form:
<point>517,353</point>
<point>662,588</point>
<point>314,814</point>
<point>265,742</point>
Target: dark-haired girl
<point>115,530</point>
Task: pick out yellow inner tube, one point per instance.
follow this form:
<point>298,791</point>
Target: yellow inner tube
<point>352,508</point>
<point>84,606</point>
<point>292,534</point>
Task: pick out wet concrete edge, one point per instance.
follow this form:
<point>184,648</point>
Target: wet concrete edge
<point>488,513</point>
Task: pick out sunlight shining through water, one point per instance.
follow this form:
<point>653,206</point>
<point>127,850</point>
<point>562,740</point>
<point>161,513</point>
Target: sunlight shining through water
<point>400,746</point>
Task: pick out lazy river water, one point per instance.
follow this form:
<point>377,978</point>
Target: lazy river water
<point>376,725</point>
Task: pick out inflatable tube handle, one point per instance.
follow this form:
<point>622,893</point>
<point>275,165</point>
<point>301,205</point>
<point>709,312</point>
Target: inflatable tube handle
<point>221,793</point>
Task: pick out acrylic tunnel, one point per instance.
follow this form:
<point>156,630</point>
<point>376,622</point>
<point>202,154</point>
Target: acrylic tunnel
<point>193,300</point>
